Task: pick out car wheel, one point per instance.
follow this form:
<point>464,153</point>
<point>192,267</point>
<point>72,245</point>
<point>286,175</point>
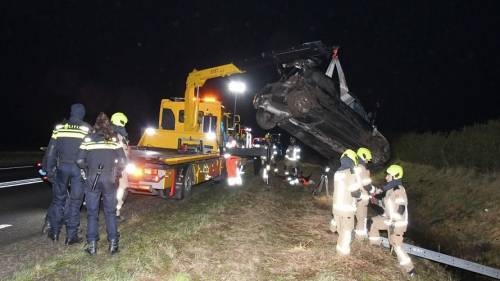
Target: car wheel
<point>301,103</point>
<point>264,119</point>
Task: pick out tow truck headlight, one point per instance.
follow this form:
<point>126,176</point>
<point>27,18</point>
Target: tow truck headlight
<point>150,131</point>
<point>211,135</point>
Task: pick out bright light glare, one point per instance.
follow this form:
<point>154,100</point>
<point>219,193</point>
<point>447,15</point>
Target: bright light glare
<point>237,87</point>
<point>209,99</point>
<point>133,170</point>
<point>130,168</point>
<point>150,131</point>
<point>211,135</point>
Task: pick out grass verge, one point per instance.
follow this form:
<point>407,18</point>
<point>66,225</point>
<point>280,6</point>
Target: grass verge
<point>221,233</point>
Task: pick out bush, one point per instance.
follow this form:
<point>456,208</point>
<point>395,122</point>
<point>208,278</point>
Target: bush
<point>475,146</point>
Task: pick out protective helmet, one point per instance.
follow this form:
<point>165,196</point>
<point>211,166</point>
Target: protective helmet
<point>119,119</point>
<point>349,153</point>
<point>365,154</point>
<point>395,171</point>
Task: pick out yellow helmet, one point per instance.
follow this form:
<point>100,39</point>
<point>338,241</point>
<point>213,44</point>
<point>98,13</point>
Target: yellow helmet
<point>365,154</point>
<point>119,119</point>
<point>351,155</point>
<point>395,171</point>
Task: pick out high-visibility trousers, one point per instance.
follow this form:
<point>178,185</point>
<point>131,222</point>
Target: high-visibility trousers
<point>232,169</point>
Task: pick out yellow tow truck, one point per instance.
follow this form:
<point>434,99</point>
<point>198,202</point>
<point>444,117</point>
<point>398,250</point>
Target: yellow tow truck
<point>185,148</point>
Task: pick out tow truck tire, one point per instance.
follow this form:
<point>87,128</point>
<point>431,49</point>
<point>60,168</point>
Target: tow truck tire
<point>301,102</point>
<point>184,185</point>
<point>188,182</point>
<point>264,119</point>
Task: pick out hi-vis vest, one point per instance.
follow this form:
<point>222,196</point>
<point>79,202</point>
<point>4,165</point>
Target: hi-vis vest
<point>394,198</point>
<point>292,153</point>
<point>344,183</point>
<point>89,144</point>
<point>70,131</point>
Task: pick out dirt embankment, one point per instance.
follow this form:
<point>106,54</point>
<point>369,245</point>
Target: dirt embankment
<point>221,233</point>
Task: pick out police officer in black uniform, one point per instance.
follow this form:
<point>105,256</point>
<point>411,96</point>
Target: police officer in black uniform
<point>103,159</point>
<point>62,171</point>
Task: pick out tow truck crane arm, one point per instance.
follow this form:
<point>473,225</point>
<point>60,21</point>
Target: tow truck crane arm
<point>195,80</point>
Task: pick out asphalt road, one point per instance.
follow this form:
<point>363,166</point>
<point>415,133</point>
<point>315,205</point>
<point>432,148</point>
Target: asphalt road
<point>22,207</point>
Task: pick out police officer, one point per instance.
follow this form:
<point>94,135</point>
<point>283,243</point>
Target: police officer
<point>62,171</point>
<point>103,160</point>
<point>292,157</point>
<point>119,120</point>
<point>346,192</point>
<point>395,217</point>
<point>363,174</point>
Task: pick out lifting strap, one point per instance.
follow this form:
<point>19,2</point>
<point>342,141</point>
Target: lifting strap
<point>344,90</point>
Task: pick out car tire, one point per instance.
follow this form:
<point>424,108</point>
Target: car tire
<point>264,119</point>
<point>301,103</point>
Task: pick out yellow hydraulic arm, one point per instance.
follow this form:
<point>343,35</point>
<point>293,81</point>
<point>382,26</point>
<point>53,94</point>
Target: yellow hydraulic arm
<point>195,80</point>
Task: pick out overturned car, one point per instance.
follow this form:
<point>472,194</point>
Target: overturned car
<point>307,103</point>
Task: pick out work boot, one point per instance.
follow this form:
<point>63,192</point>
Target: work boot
<point>113,246</point>
<point>412,273</point>
<point>73,240</point>
<point>91,248</point>
<point>53,236</point>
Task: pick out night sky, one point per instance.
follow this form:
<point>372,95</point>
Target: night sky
<point>433,65</point>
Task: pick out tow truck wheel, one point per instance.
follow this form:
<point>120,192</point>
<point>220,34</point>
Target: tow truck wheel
<point>184,184</point>
<point>301,102</point>
<point>264,119</point>
<point>188,182</point>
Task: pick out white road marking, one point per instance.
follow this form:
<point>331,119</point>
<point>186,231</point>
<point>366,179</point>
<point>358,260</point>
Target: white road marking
<point>5,225</point>
<point>20,182</point>
<point>16,167</point>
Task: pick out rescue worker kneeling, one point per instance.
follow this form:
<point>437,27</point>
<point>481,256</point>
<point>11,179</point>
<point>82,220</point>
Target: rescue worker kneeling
<point>395,217</point>
<point>103,159</point>
<point>346,192</point>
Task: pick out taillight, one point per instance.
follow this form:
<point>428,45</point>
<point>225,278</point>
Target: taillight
<point>149,171</point>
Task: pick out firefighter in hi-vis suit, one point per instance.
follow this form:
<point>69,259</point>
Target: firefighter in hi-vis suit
<point>345,194</point>
<point>395,217</point>
<point>364,157</point>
